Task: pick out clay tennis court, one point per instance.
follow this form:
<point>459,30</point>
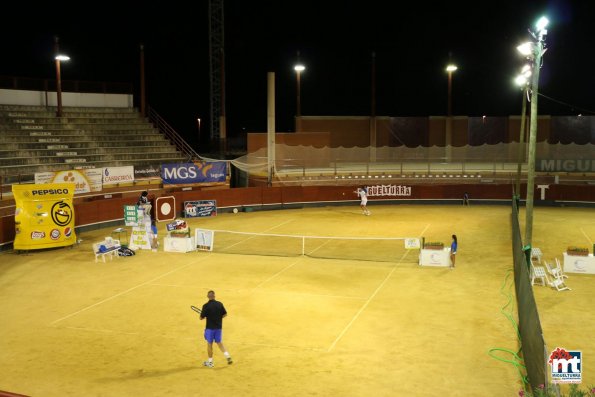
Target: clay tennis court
<point>297,325</point>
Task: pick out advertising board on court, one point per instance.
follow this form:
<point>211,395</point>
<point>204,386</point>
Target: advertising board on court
<point>200,208</point>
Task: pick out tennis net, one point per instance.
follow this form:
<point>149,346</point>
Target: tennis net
<point>380,249</point>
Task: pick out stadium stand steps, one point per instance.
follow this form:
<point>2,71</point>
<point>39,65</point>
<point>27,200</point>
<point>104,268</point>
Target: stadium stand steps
<point>34,140</point>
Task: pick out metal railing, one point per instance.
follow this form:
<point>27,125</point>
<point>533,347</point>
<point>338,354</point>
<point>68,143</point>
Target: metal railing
<point>172,135</point>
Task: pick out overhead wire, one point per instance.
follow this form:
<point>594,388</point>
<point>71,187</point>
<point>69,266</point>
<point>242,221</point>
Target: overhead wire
<point>571,106</point>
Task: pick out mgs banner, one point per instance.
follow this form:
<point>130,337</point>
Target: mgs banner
<point>44,216</point>
<point>198,172</point>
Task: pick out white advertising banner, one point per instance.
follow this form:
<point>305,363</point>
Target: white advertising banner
<point>139,239</point>
<point>179,244</point>
<point>85,181</point>
<point>115,175</point>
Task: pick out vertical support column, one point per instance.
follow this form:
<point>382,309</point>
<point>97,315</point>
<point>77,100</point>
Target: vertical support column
<point>271,126</point>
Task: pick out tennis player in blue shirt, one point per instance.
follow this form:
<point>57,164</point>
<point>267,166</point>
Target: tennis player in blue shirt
<point>453,250</point>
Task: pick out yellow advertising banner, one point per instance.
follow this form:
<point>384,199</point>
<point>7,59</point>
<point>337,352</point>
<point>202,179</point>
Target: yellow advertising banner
<point>44,216</point>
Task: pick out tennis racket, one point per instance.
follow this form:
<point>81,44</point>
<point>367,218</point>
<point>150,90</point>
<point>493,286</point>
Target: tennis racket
<point>196,309</point>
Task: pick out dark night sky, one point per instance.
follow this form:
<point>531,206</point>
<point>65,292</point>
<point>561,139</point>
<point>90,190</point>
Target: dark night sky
<point>412,41</point>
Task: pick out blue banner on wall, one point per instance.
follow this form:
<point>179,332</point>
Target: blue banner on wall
<point>201,208</point>
<point>199,172</point>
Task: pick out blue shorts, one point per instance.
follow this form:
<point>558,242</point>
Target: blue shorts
<point>213,335</point>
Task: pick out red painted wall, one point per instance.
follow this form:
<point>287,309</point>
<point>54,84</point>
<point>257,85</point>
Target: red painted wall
<point>90,210</point>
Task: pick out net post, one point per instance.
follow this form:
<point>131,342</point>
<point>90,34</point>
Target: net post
<point>303,245</point>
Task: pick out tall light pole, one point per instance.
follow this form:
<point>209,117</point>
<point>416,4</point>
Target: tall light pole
<point>299,68</point>
<point>448,139</point>
<point>522,80</point>
<point>59,58</point>
<point>533,51</point>
<point>143,107</point>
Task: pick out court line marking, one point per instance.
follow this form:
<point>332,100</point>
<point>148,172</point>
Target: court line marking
<point>231,342</point>
<point>294,263</point>
<point>103,330</point>
<point>268,292</point>
<point>370,298</point>
<point>282,270</point>
<point>150,282</point>
<point>143,284</point>
<point>280,224</point>
<point>127,291</point>
<point>361,309</point>
<point>276,274</point>
<point>316,349</point>
<point>317,248</point>
<point>585,234</point>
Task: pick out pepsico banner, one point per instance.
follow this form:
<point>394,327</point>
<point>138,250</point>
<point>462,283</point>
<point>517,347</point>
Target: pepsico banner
<point>44,215</point>
<point>198,172</point>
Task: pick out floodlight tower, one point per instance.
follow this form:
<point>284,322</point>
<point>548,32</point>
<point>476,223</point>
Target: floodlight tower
<point>522,80</point>
<point>217,72</point>
<point>448,139</point>
<point>534,52</point>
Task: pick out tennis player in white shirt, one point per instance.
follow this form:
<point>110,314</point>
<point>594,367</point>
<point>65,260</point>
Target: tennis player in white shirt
<point>362,192</point>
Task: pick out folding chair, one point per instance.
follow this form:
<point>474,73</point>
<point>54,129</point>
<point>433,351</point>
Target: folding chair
<point>554,271</point>
<point>559,268</point>
<point>538,272</point>
<point>559,285</point>
<point>536,254</point>
<point>557,278</point>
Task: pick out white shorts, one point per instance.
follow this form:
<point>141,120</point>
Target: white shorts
<point>364,201</point>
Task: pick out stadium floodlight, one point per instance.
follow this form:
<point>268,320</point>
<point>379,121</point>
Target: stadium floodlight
<point>59,58</point>
<point>450,68</point>
<point>526,48</point>
<point>541,25</point>
<point>299,68</point>
<point>534,51</point>
<point>526,71</point>
<point>521,80</point>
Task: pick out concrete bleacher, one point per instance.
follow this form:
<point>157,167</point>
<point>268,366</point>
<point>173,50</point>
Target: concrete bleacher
<point>33,139</point>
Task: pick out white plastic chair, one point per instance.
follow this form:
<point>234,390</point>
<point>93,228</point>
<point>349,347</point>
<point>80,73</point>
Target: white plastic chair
<point>555,273</point>
<point>559,285</point>
<point>559,269</point>
<point>557,278</point>
<point>538,272</point>
<point>536,254</point>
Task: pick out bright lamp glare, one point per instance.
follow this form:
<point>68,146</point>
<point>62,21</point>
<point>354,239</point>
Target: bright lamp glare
<point>541,24</point>
<point>526,48</point>
<point>299,68</point>
<point>526,69</point>
<point>520,80</point>
<point>62,58</point>
<point>451,68</point>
